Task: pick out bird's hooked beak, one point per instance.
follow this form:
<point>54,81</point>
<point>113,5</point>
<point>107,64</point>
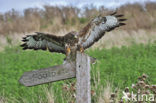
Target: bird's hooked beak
<point>75,36</point>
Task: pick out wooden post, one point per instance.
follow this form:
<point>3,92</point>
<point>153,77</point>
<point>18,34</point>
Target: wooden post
<point>83,78</point>
<point>79,68</point>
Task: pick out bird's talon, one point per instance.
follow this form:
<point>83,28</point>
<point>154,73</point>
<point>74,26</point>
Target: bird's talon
<point>68,51</point>
<point>81,50</point>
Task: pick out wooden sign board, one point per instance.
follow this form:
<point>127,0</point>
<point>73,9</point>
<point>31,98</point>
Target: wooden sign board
<point>51,74</point>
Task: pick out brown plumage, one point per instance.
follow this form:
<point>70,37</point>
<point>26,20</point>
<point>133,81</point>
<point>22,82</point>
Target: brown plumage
<point>49,42</point>
<point>81,40</point>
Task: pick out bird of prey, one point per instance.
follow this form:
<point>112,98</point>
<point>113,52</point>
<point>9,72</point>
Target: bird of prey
<point>80,40</point>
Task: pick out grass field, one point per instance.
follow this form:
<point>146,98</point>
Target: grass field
<point>120,67</point>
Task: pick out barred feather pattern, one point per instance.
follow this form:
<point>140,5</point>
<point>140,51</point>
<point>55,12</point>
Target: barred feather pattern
<point>85,38</point>
<point>44,42</point>
<point>97,28</point>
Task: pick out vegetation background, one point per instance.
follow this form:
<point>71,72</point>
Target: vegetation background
<point>122,55</point>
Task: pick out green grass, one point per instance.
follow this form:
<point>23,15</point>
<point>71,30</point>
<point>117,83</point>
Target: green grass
<point>119,66</point>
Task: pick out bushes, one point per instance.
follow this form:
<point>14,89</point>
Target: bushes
<point>53,18</point>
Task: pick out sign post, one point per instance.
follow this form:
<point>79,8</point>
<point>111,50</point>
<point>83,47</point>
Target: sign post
<point>47,75</point>
<point>79,69</point>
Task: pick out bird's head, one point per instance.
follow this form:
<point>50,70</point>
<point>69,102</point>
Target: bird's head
<point>73,36</point>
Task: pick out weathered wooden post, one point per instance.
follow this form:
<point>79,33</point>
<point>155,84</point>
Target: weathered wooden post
<point>83,94</point>
<point>79,69</point>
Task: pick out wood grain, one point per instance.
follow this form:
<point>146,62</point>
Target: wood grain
<point>51,74</point>
<point>83,94</point>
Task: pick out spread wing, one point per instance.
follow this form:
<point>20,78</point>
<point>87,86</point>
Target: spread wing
<point>44,41</point>
<point>97,28</point>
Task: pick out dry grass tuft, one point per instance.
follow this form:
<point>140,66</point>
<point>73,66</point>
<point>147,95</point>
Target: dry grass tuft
<point>49,95</point>
<point>105,95</point>
<point>3,100</point>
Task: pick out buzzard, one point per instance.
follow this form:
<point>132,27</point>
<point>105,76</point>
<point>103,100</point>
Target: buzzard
<point>74,41</point>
